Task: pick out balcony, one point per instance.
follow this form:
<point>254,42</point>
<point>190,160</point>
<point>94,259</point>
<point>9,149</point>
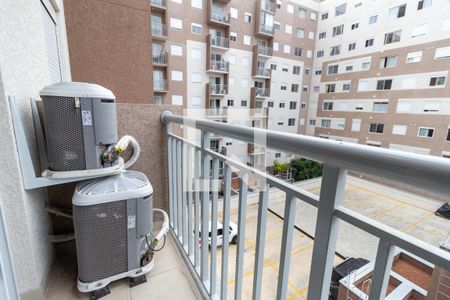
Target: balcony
<point>265,30</point>
<point>218,90</point>
<point>262,92</point>
<point>158,5</point>
<point>219,42</point>
<point>160,59</point>
<point>218,66</point>
<point>204,207</point>
<point>262,73</point>
<point>159,31</point>
<point>215,112</point>
<point>263,51</point>
<point>160,86</point>
<point>221,20</point>
<point>268,6</point>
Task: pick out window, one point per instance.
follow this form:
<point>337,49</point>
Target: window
<point>365,65</point>
<point>388,62</point>
<point>425,132</point>
<point>397,12</point>
<point>301,13</point>
<point>196,4</point>
<point>419,30</point>
<point>328,106</point>
<point>384,84</point>
<point>431,106</point>
<point>309,53</point>
<point>306,71</point>
<point>287,49</point>
<point>380,106</point>
<point>296,70</point>
<point>233,37</point>
<point>177,100</point>
<point>443,52</point>
<point>437,80</point>
<point>244,102</point>
<point>311,35</point>
<point>177,50</point>
<point>282,105</point>
<point>423,4</point>
<point>338,30</point>
<point>305,88</point>
<point>349,68</point>
<point>346,87</point>
<point>358,4</point>
<point>318,72</point>
<point>340,10</point>
<point>276,25</point>
<point>312,122</point>
<point>303,105</point>
<point>273,66</point>
<point>177,75</point>
<point>283,87</point>
<point>292,105</point>
<point>356,124</point>
<point>291,122</point>
<point>230,102</point>
<point>351,46</point>
<point>176,24</point>
<point>294,88</point>
<point>313,16</point>
<point>414,57</point>
<point>234,13</point>
<point>270,104</point>
<point>355,25</point>
<point>320,53</point>
<point>322,35</point>
<point>277,155</point>
<point>288,29</point>
<point>196,28</point>
<point>376,128</point>
<point>392,37</point>
<point>285,69</point>
<point>290,8</point>
<point>298,51</point>
<point>325,123</point>
<point>373,19</point>
<point>448,135</point>
<point>399,129</point>
<point>158,99</point>
<point>333,69</point>
<point>247,40</point>
<point>324,16</point>
<point>335,50</point>
<point>369,42</point>
<point>300,33</point>
<point>330,88</point>
<point>247,17</point>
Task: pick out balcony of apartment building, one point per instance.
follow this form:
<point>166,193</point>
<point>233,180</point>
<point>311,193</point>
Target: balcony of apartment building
<point>159,31</point>
<point>160,58</point>
<point>217,42</point>
<point>160,85</point>
<point>217,65</point>
<point>267,6</point>
<point>218,14</point>
<point>262,51</point>
<point>158,5</point>
<point>265,11</point>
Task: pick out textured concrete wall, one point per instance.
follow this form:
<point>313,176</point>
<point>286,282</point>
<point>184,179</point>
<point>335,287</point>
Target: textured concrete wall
<point>110,44</point>
<point>23,73</point>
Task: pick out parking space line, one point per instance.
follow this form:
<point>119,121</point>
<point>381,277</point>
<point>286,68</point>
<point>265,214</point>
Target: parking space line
<point>417,222</point>
<point>386,211</point>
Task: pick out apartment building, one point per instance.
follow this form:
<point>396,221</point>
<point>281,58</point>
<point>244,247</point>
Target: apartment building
<point>381,75</point>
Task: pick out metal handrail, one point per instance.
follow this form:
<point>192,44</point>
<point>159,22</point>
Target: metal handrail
<point>262,92</point>
<point>263,72</point>
<point>221,18</point>
<point>218,89</point>
<point>158,3</point>
<point>219,41</point>
<point>268,6</point>
<point>430,173</point>
<point>160,58</point>
<point>265,28</point>
<point>160,85</point>
<point>264,50</point>
<point>220,65</point>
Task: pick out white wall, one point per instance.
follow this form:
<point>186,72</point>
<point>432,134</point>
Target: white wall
<point>23,73</point>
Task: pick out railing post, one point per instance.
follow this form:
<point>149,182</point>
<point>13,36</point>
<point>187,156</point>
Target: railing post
<point>331,196</point>
<point>260,241</point>
<point>179,193</point>
<point>382,270</point>
<point>226,233</point>
<point>205,144</point>
<point>169,170</point>
<point>174,187</point>
<point>214,213</point>
<point>189,201</point>
<point>286,246</point>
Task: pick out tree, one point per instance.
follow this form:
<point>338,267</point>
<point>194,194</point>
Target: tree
<point>280,168</point>
<point>303,169</point>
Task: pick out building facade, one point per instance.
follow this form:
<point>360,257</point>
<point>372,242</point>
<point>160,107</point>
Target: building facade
<point>380,75</point>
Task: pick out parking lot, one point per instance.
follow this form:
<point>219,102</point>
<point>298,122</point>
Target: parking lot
<point>408,213</point>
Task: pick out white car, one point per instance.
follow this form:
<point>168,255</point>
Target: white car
<point>232,235</point>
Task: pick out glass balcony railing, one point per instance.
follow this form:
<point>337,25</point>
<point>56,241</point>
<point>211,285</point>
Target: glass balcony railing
<point>158,3</point>
<point>219,65</point>
<point>160,59</point>
<point>263,72</point>
<point>160,85</point>
<point>268,6</point>
<point>221,18</point>
<point>219,41</point>
<point>265,28</point>
<point>262,92</point>
<point>159,30</point>
<point>264,50</point>
<point>218,89</point>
